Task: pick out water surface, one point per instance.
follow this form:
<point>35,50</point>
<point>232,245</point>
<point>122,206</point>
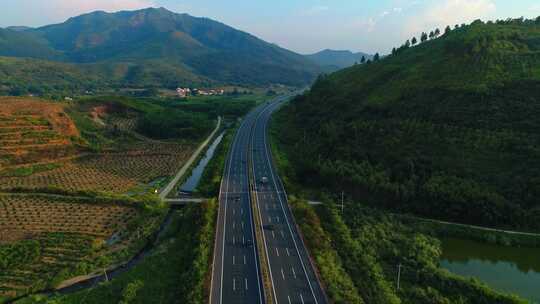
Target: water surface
<point>191,183</point>
<point>507,269</point>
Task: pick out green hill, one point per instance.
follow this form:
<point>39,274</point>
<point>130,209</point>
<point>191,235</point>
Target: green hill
<point>20,76</point>
<point>158,41</point>
<point>448,129</point>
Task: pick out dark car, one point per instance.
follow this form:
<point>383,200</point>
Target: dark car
<point>270,227</point>
<point>249,243</point>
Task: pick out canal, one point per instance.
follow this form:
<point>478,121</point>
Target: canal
<point>507,269</point>
<point>191,183</point>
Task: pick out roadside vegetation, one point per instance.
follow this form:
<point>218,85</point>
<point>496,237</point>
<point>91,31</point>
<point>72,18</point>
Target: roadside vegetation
<point>46,239</point>
<point>176,271</point>
<point>359,252</point>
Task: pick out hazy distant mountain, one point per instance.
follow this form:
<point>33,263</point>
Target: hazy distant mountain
<point>18,28</point>
<point>336,60</point>
<point>193,45</point>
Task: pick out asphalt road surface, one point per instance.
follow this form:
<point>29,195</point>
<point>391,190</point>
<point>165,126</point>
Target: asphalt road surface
<point>292,274</point>
<point>236,276</point>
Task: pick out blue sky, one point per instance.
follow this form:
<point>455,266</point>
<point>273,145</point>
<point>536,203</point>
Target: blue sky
<point>304,26</point>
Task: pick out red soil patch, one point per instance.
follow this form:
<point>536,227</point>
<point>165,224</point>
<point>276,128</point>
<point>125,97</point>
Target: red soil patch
<point>34,131</point>
<point>53,112</point>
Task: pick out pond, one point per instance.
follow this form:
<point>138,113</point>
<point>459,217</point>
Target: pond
<point>191,183</point>
<point>507,269</point>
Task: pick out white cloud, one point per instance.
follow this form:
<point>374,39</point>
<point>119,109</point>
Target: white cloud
<point>366,25</point>
<point>315,10</point>
<point>450,12</point>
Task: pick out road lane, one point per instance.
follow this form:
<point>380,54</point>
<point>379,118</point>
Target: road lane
<point>236,276</point>
<point>236,273</point>
<point>292,274</point>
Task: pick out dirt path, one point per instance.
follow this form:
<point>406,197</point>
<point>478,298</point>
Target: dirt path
<point>513,232</point>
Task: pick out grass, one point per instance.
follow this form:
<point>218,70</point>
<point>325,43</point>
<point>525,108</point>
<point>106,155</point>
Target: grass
<point>50,238</point>
<point>28,170</point>
<point>175,272</point>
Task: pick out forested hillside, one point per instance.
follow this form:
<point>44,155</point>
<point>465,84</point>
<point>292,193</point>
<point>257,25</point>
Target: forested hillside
<point>21,76</point>
<point>149,48</point>
<point>446,129</point>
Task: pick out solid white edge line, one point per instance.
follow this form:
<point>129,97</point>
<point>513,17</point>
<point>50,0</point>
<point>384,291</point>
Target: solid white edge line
<point>283,210</point>
<point>225,212</point>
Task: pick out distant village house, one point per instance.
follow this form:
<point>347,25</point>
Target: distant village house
<point>185,92</point>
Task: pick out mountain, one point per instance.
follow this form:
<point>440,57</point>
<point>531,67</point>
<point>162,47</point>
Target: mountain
<point>333,60</point>
<point>195,47</point>
<point>448,129</point>
<point>18,28</point>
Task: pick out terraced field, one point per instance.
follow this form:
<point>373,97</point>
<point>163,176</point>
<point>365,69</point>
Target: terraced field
<point>40,147</point>
<point>33,131</point>
<point>45,240</point>
<point>113,172</point>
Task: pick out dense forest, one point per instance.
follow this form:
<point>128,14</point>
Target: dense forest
<point>446,129</point>
<point>360,253</point>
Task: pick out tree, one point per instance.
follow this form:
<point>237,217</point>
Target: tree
<point>394,51</point>
<point>407,44</point>
<point>376,57</point>
<point>363,60</point>
<point>447,29</point>
<point>431,35</point>
<point>424,37</point>
<point>130,291</point>
<point>414,41</point>
<point>457,26</point>
<point>437,33</point>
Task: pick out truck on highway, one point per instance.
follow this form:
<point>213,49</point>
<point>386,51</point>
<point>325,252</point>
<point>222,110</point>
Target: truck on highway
<point>264,180</point>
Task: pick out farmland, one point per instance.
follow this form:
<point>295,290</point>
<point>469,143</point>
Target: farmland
<point>32,131</point>
<point>111,171</point>
<point>41,146</point>
<point>47,239</point>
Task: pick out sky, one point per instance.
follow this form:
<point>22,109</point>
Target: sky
<point>304,26</point>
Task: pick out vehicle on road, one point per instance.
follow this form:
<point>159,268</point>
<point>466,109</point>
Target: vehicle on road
<point>264,180</point>
<point>270,227</point>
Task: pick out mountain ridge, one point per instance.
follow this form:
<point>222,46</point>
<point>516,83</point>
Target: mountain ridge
<point>198,45</point>
<point>333,60</point>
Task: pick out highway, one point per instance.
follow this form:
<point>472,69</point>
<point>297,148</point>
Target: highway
<point>236,276</point>
<point>293,276</point>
